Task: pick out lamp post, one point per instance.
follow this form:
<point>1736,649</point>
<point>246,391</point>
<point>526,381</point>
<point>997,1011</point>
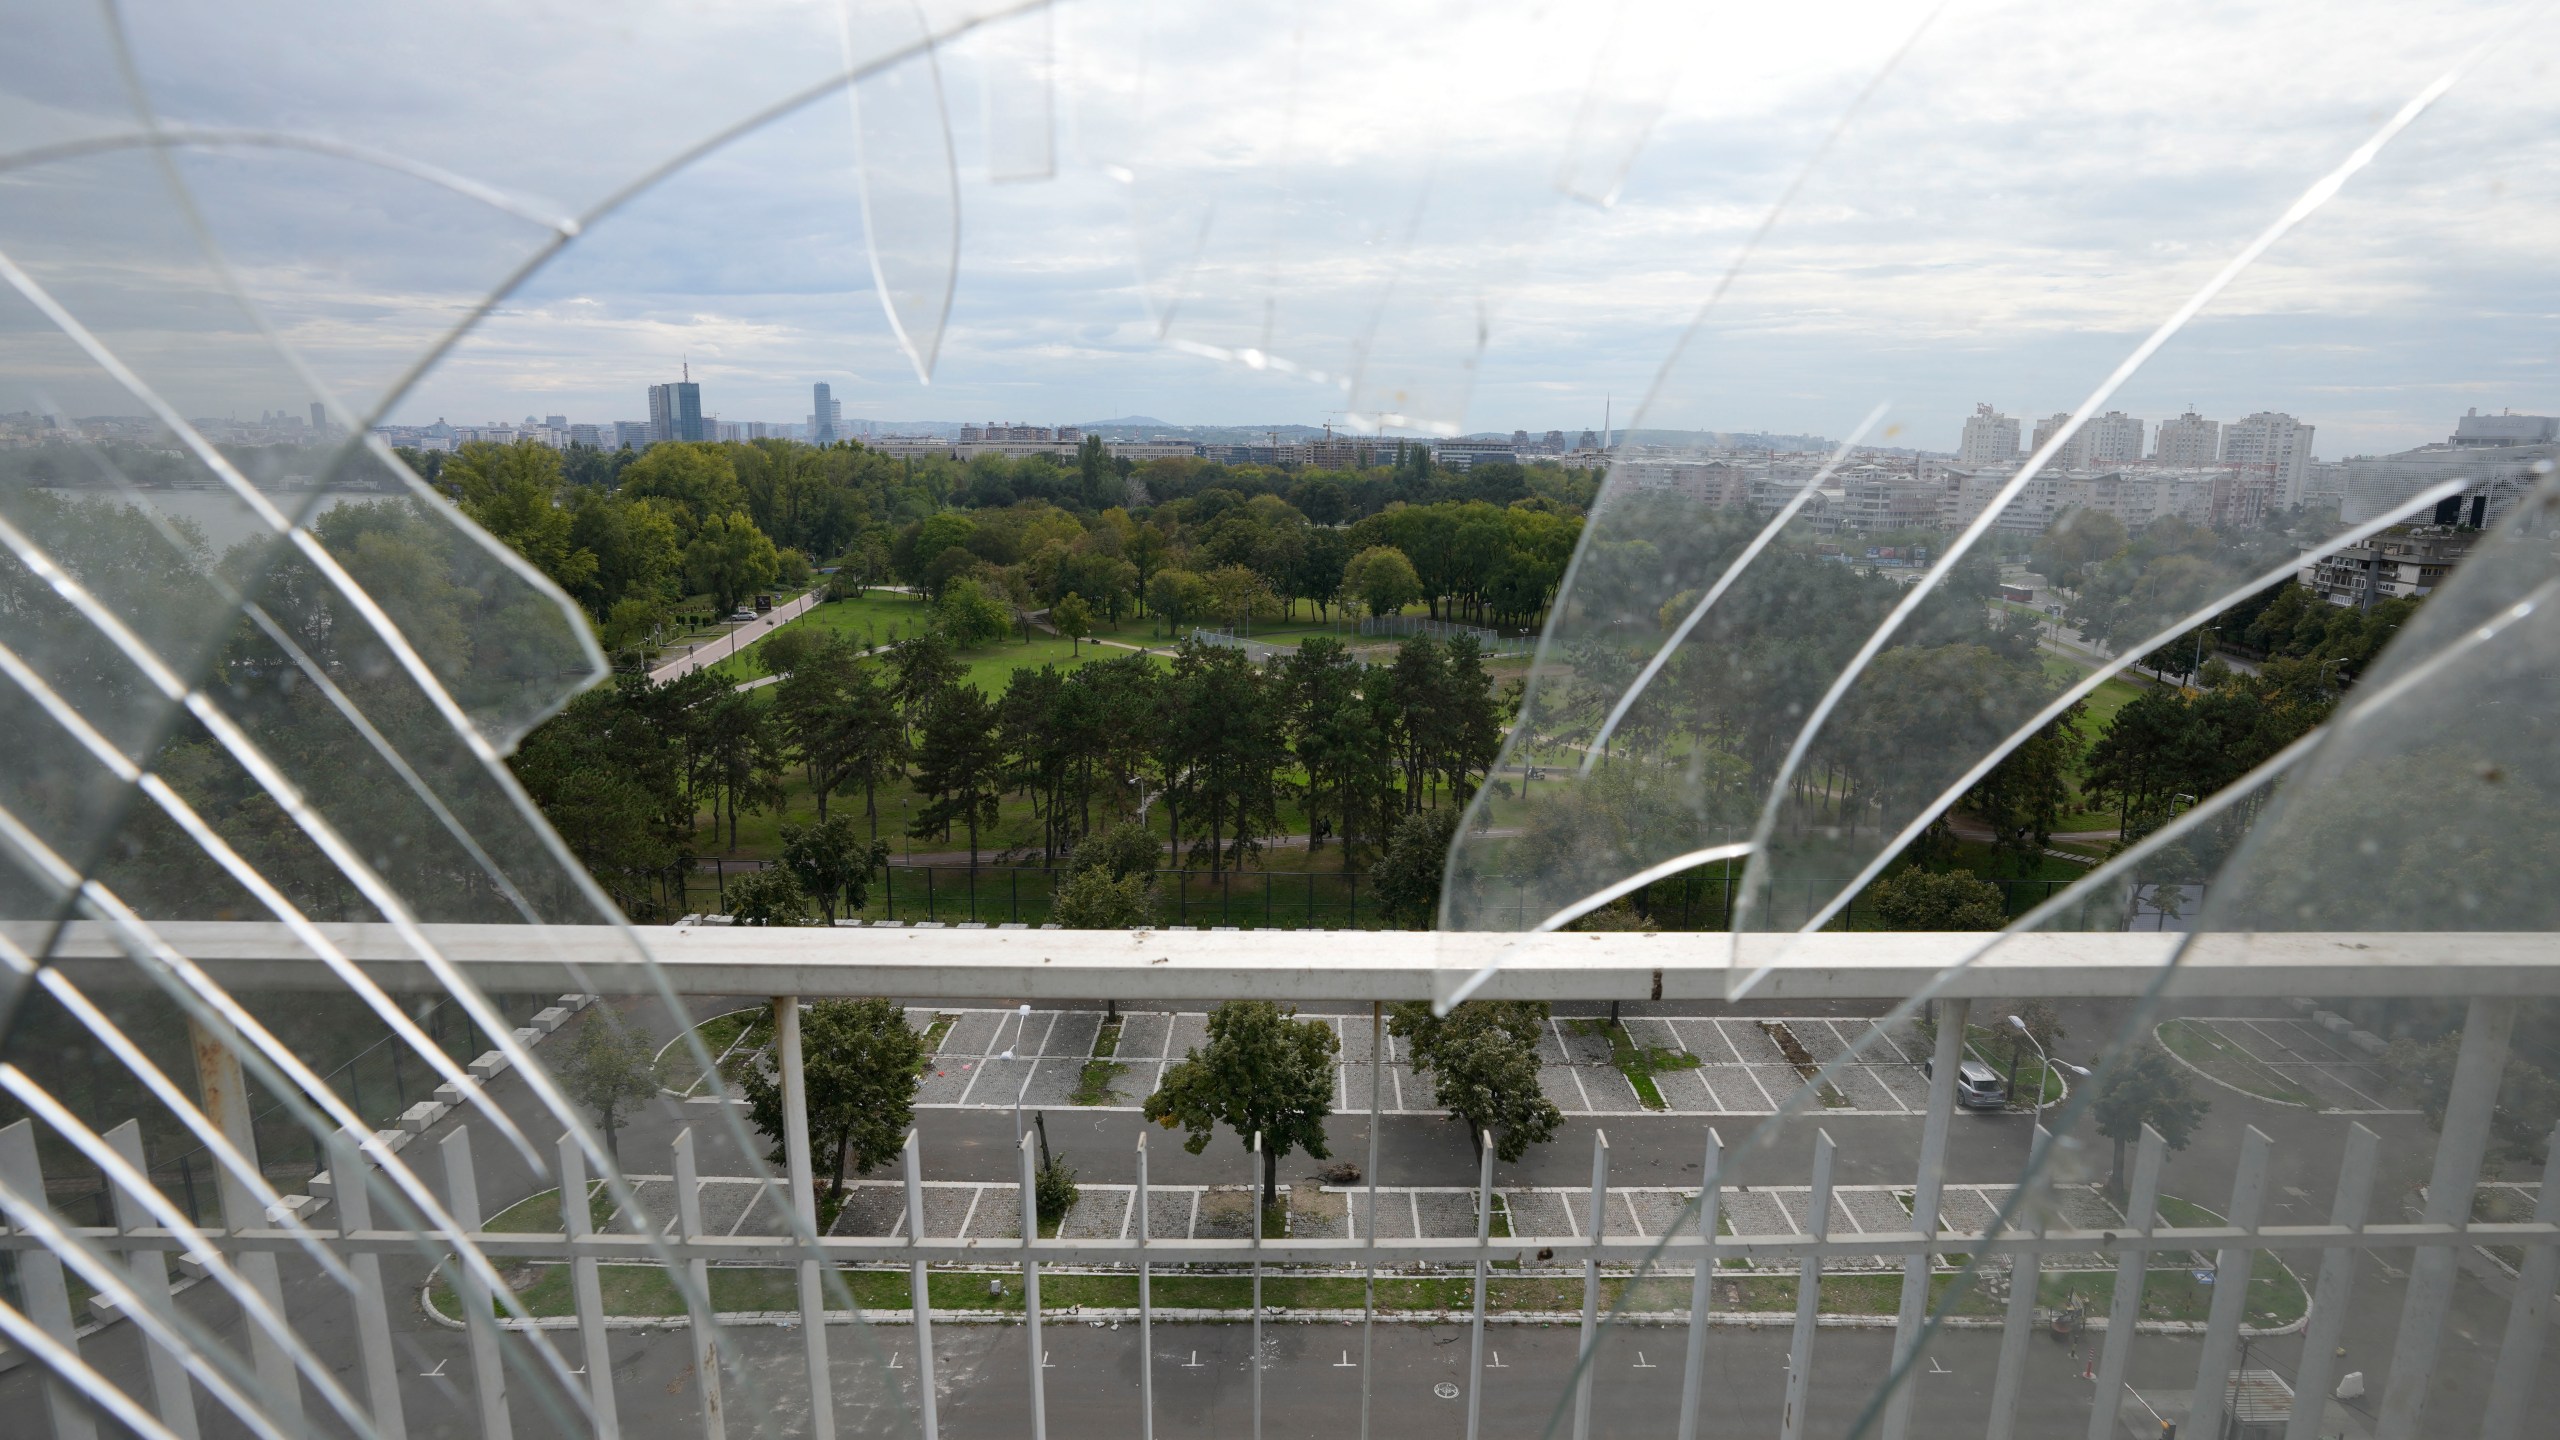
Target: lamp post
<point>2045,1064</point>
<point>1021,1022</point>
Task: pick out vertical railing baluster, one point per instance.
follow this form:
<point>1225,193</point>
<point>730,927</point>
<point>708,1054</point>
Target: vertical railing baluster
<point>225,1096</point>
<point>804,1204</point>
<point>42,1292</point>
<point>706,1323</point>
<point>1947,1054</point>
<point>2461,1140</point>
<point>2511,1384</point>
<point>1369,1251</point>
<point>2125,1311</point>
<point>2231,1266</point>
<point>354,1201</point>
<point>1031,1288</point>
<point>2336,1288</point>
<point>1253,1202</point>
<point>1599,1231</point>
<point>1146,1309</point>
<point>148,1272</point>
<point>1484,1257</point>
<point>1693,1377</point>
<point>919,1286</point>
<point>2025,1274</point>
<point>586,1286</point>
<point>1808,1293</point>
<point>479,1322</point>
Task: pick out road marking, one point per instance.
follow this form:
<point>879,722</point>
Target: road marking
<point>1045,1362</point>
<point>1445,1390</point>
<point>435,1374</point>
<point>1644,1364</point>
<point>893,1359</point>
<point>1937,1369</point>
<point>1345,1363</point>
<point>1193,1363</point>
<point>1496,1363</point>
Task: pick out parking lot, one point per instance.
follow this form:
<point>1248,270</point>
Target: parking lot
<point>1741,1069</point>
<point>2290,1061</point>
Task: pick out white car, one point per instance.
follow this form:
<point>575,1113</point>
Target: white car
<point>742,613</point>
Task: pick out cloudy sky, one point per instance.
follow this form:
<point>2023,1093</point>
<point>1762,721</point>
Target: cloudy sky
<point>1478,216</point>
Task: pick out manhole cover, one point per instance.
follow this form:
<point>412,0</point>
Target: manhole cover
<point>1446,1390</point>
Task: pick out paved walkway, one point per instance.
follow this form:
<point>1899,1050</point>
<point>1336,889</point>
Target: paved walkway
<point>714,651</point>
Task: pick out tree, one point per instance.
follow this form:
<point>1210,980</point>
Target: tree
<point>1073,617</point>
<point>609,1069</point>
<point>741,756</point>
<point>770,896</point>
<point>859,1062</point>
<point>2519,1122</point>
<point>1381,578</point>
<point>832,863</point>
<point>970,614</point>
<point>1225,741</point>
<point>959,766</point>
<point>1483,1061</point>
<point>1093,900</point>
<point>2025,794</point>
<point>1264,1073</point>
<point>1408,876</point>
<point>1176,596</point>
<point>1917,899</point>
<point>2146,1086</point>
<point>729,560</point>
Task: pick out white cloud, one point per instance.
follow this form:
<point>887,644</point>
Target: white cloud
<point>1363,190</point>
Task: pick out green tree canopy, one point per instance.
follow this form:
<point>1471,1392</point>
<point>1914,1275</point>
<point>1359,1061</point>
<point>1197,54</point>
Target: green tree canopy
<point>1483,1062</point>
<point>1383,579</point>
<point>1408,876</point>
<point>1917,899</point>
<point>2146,1086</point>
<point>860,1064</point>
<point>609,1068</point>
<point>730,559</point>
<point>833,863</point>
<point>1263,1073</point>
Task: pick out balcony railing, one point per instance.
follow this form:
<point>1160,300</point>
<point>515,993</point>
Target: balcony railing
<point>1686,1238</point>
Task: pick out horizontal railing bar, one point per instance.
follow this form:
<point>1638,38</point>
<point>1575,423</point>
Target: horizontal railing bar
<point>613,1248</point>
<point>1139,965</point>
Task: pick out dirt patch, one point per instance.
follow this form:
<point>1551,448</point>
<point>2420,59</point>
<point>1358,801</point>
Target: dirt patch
<point>1801,1058</point>
<point>1226,1213</point>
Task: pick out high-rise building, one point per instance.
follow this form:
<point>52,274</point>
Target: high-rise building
<point>556,422</point>
<point>630,434</point>
<point>675,412</point>
<point>2190,439</point>
<point>319,416</point>
<point>2115,438</point>
<point>822,415</point>
<point>2074,454</point>
<point>2272,444</point>
<point>1990,438</point>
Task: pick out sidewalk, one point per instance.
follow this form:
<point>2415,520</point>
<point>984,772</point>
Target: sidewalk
<point>715,651</point>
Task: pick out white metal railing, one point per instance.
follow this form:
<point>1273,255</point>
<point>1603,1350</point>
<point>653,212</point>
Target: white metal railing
<point>1213,966</point>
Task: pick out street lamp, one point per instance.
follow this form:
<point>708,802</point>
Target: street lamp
<point>2045,1064</point>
